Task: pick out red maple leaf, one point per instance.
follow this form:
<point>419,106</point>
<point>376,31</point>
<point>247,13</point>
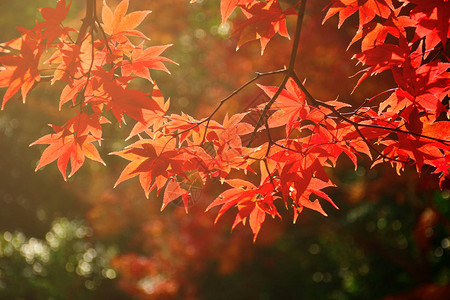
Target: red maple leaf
<point>374,34</point>
<point>252,202</point>
<point>154,160</point>
<point>112,91</point>
<point>300,178</point>
<point>264,21</point>
<point>433,21</point>
<point>228,6</point>
<point>290,106</point>
<point>367,9</point>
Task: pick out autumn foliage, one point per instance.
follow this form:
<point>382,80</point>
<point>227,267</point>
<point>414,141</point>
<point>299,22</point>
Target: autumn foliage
<point>406,125</point>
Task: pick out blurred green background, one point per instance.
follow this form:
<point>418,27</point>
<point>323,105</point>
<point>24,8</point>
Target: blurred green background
<point>83,240</point>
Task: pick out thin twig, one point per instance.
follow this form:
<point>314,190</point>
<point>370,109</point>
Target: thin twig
<point>316,102</point>
<point>222,102</point>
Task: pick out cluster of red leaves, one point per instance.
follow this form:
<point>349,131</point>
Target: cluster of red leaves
<point>97,72</point>
<point>176,152</point>
<point>292,169</point>
<point>411,44</point>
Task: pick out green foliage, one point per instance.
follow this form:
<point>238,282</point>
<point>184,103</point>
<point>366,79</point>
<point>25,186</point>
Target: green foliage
<point>65,265</point>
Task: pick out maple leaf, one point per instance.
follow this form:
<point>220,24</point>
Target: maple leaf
<point>64,145</point>
<point>185,124</point>
<point>20,71</point>
<point>74,61</point>
<point>252,202</point>
<point>374,34</point>
<point>381,58</point>
<point>119,24</point>
<point>55,16</point>
<point>326,143</point>
<point>105,88</point>
<point>228,6</point>
<point>264,21</point>
<point>51,26</point>
<point>174,191</point>
<point>68,60</point>
<point>134,104</point>
<point>155,118</point>
<point>299,179</point>
<point>143,59</point>
<point>155,161</point>
<point>433,21</point>
<point>424,86</point>
<point>227,144</point>
<point>438,130</point>
<point>290,106</point>
<point>232,129</point>
<point>367,10</point>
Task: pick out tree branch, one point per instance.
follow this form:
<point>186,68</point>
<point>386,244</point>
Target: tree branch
<point>222,102</point>
<point>289,71</point>
<point>316,103</point>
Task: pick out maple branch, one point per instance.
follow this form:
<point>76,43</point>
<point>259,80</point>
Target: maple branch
<point>100,27</point>
<point>272,181</point>
<point>269,137</point>
<point>222,102</point>
<point>269,104</point>
<point>369,144</point>
<point>298,31</point>
<point>357,125</point>
<point>289,71</point>
<point>88,20</point>
<point>342,117</point>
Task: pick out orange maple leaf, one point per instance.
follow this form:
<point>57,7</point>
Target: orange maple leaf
<point>120,24</point>
<point>64,146</point>
<point>228,6</point>
<point>20,71</point>
<point>142,60</point>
